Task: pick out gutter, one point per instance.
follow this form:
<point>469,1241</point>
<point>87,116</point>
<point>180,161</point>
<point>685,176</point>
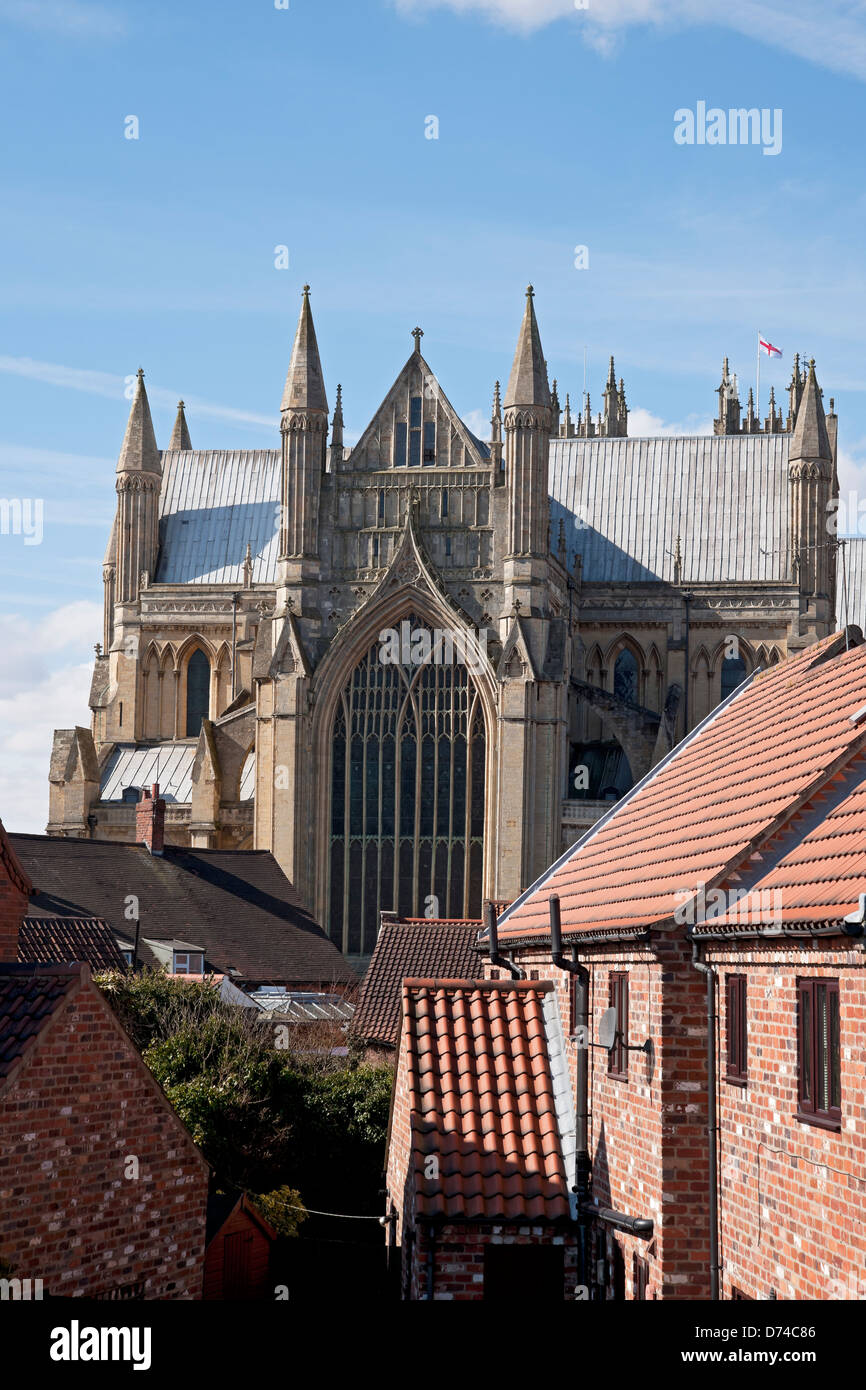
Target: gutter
<point>494,954</point>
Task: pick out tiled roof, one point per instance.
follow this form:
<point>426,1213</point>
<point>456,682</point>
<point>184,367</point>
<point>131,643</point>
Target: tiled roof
<point>62,940</point>
<point>716,801</point>
<point>418,948</point>
<point>814,871</point>
<point>624,502</point>
<point>27,999</point>
<point>482,1103</point>
<point>237,903</point>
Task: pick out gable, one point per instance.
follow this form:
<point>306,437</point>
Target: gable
<point>417,426</point>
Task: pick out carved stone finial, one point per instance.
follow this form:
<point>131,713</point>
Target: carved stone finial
<point>418,334</point>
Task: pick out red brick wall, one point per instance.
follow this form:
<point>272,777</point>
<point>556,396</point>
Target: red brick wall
<point>791,1193</point>
<point>14,893</point>
<point>458,1252</point>
<point>80,1106</point>
<point>648,1140</point>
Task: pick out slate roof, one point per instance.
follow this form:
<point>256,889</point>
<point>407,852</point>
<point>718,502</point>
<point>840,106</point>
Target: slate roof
<point>625,501</point>
<point>420,948</point>
<point>212,504</point>
<point>27,999</point>
<point>237,903</point>
<point>773,760</point>
<point>169,764</point>
<point>482,1102</point>
<point>62,940</point>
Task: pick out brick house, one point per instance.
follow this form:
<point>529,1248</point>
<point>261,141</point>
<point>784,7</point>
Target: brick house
<point>102,1191</point>
<point>713,921</point>
<point>479,1141</point>
<point>727,886</point>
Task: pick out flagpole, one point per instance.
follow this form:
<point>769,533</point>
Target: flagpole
<point>758,385</point>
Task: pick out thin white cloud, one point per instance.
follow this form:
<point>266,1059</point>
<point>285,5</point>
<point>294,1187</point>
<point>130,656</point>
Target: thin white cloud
<point>645,425</point>
<point>832,34</point>
<point>106,384</point>
<point>44,685</point>
<point>63,18</point>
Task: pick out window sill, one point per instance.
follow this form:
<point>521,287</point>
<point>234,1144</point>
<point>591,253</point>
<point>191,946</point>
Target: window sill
<point>820,1121</point>
<point>740,1081</point>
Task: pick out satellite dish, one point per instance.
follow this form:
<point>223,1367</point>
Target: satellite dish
<point>607,1029</point>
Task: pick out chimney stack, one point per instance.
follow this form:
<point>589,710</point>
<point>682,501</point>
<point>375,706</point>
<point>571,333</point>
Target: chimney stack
<point>150,820</point>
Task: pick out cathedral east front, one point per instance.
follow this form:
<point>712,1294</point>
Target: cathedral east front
<point>418,668</point>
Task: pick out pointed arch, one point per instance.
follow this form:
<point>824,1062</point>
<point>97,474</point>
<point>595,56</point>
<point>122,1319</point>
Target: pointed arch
<point>654,694</point>
<point>405,807</point>
<point>222,680</point>
<point>701,699</point>
<point>151,683</point>
<point>195,665</point>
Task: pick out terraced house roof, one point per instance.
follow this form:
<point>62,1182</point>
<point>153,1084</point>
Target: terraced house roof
<point>483,1100</point>
<point>768,790</point>
<point>444,950</point>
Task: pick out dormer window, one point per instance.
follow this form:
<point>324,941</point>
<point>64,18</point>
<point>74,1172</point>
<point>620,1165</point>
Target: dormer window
<point>188,962</point>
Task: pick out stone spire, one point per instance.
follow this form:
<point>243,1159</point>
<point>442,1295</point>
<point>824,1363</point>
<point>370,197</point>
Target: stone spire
<point>614,423</point>
<point>305,382</point>
<point>337,422</point>
<point>527,445</point>
<point>810,438</point>
<point>773,422</point>
<point>751,425</point>
<point>728,421</point>
<point>180,434</point>
<point>139,478</point>
<point>567,426</point>
<point>811,471</point>
<point>795,391</point>
<point>138,452</point>
<point>496,435</point>
<point>527,384</point>
<point>555,409</point>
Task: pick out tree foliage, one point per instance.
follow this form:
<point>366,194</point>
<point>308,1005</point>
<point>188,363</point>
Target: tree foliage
<point>266,1117</point>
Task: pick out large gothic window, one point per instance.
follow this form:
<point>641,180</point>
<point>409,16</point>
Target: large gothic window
<point>407,795</point>
<point>625,676</point>
<point>733,674</point>
<point>197,692</point>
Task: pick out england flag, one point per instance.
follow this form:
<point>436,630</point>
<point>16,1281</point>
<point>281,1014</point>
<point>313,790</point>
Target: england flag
<point>768,348</point>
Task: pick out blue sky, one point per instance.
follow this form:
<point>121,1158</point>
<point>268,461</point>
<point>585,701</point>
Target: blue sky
<point>305,127</point>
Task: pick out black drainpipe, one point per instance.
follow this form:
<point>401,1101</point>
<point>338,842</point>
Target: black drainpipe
<point>431,1263</point>
<point>712,1120</point>
<point>583,1163</point>
<point>495,957</point>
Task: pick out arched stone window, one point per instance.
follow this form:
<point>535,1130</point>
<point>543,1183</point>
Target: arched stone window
<point>407,796</point>
<point>733,674</point>
<point>197,692</point>
<point>625,676</point>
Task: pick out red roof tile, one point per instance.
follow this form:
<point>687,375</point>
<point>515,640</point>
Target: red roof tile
<point>482,1101</point>
<point>720,796</point>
